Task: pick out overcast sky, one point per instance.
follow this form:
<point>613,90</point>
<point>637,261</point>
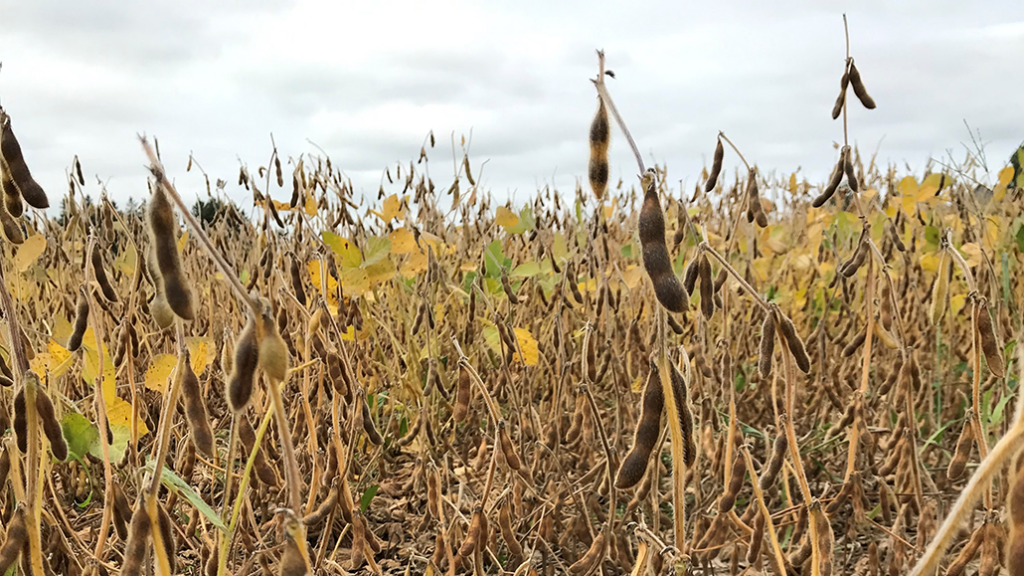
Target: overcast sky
<point>367,80</point>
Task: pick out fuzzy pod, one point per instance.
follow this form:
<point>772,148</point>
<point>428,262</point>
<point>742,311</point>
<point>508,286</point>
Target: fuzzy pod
<point>833,182</point>
<point>648,427</point>
<point>896,240</point>
<point>261,467</point>
<point>12,230</point>
<point>12,196</point>
<point>681,397</point>
<point>122,510</point>
<point>728,498</point>
<point>851,176</point>
<point>81,322</point>
<point>858,88</point>
<point>137,544</point>
<point>756,538</point>
<point>463,392</point>
<point>167,536</point>
<point>10,150</point>
<point>794,343</point>
<point>989,343</point>
<point>962,453</point>
<point>5,465</point>
<point>292,563</point>
<point>506,285</point>
<point>593,556</point>
<point>474,537</point>
<point>855,344</point>
<point>240,383</point>
<point>826,539</point>
<point>21,421</point>
<point>837,108</point>
<point>771,470</point>
<point>273,351</point>
<point>17,537</point>
<point>767,346</point>
<point>507,532</point>
<point>371,431</point>
<point>707,294</point>
<point>101,275</point>
<point>716,167</point>
<point>597,170</point>
<point>195,411</point>
<point>296,276</point>
<point>690,275</point>
<point>163,231</point>
<point>51,425</point>
<point>968,552</point>
<point>657,262</point>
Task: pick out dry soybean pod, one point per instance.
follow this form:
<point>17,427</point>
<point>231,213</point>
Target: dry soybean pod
<point>463,392</point>
<point>716,166</point>
<point>707,295</point>
<point>833,182</point>
<point>51,426</point>
<point>1015,519</point>
<point>771,470</point>
<point>122,511</point>
<point>989,343</point>
<point>633,466</point>
<point>825,538</point>
<point>767,347</point>
<point>163,230</point>
<point>940,292</point>
<point>655,252</point>
<point>12,196</point>
<point>10,150</point>
<point>167,536</point>
<point>371,431</point>
<point>17,536</point>
<point>136,547</point>
<point>300,293</point>
<point>793,341</point>
<point>690,276</point>
<point>597,170</point>
<point>247,435</point>
<point>507,532</point>
<point>964,445</point>
<point>21,421</point>
<point>81,321</point>
<point>240,383</point>
<point>728,499</point>
<point>969,551</point>
<point>506,285</point>
<point>273,352</point>
<point>851,177</point>
<point>101,274</point>
<point>859,89</point>
<point>593,556</point>
<point>837,108</point>
<point>507,448</point>
<point>195,411</point>
<point>12,230</point>
<point>681,398</point>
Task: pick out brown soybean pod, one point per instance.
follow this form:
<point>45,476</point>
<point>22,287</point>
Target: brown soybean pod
<point>854,344</point>
<point>968,552</point>
<point>18,170</point>
<point>851,177</point>
<point>507,533</point>
<point>195,411</point>
<point>122,510</point>
<point>167,536</point>
<point>682,400</point>
<point>657,263</point>
<point>837,108</point>
<point>300,293</point>
<point>1015,518</point>
<point>690,276</point>
<point>136,546</point>
<point>292,563</point>
<point>21,421</point>
<point>592,558</point>
<point>707,296</point>
<point>989,342</point>
<point>728,499</point>
<point>472,534</point>
<point>826,539</point>
<point>273,352</point>
<point>597,170</point>
<point>51,426</point>
<point>771,471</point>
<point>101,275</point>
<point>81,322</point>
<point>507,448</point>
<point>462,394</point>
<point>240,383</point>
<point>5,465</point>
<point>754,549</point>
<point>163,232</point>
<point>17,537</point>
<point>962,453</point>
<point>506,285</point>
<point>247,435</point>
<point>716,166</point>
<point>371,431</point>
<point>833,183</point>
<point>12,196</point>
<point>795,344</point>
<point>767,347</point>
<point>633,466</point>
<point>859,89</point>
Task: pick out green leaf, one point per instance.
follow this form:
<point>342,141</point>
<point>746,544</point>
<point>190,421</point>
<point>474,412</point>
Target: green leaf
<point>403,427</point>
<point>243,277</point>
<point>997,414</point>
<point>377,248</point>
<point>494,259</point>
<point>174,483</point>
<point>627,250</point>
<point>467,281</point>
<point>80,434</point>
<point>931,235</point>
<point>526,270</point>
<point>118,447</point>
<point>367,497</point>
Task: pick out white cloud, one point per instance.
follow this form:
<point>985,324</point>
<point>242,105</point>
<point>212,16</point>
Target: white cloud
<point>367,81</point>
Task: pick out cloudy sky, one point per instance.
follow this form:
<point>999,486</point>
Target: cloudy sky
<point>367,80</point>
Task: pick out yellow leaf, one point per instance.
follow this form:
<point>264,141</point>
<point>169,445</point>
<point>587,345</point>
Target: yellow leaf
<point>392,208</point>
<point>29,252</point>
<point>929,262</point>
<point>998,192</point>
<point>381,272</point>
<point>355,282</point>
<point>415,264</point>
<point>159,371</point>
<point>792,183</point>
<point>40,364</point>
<point>199,353</point>
<point>505,217</point>
<point>125,261</point>
<point>281,206</point>
<point>466,266</point>
<point>119,413</point>
<point>310,205</point>
<point>332,285</point>
<point>528,344</point>
<point>993,228</point>
<point>90,370</point>
<point>609,209</point>
<point>1005,175</point>
<point>182,240</point>
<point>972,252</point>
<point>349,335</point>
<point>633,276</point>
<point>930,186</point>
<point>909,204</point>
<point>907,186</point>
<point>402,241</point>
<point>956,303</point>
<point>637,385</point>
<point>59,355</point>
